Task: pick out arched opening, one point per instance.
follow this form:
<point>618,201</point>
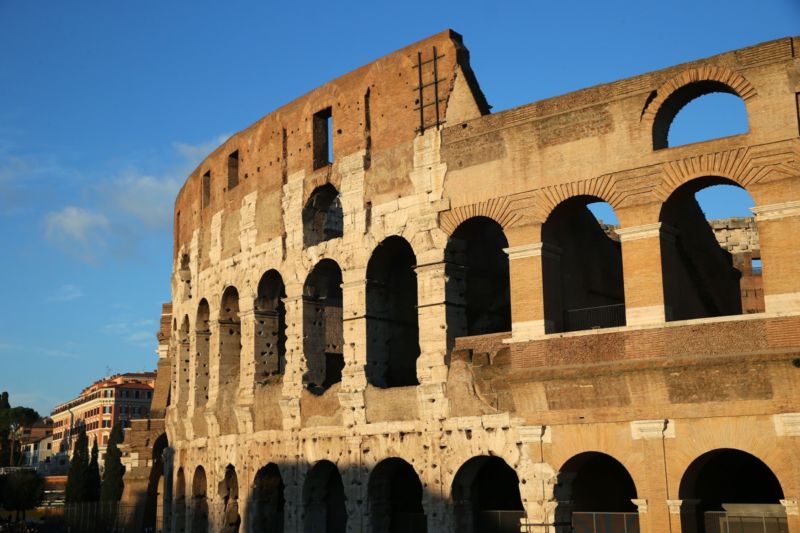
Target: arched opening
<point>230,350</point>
<point>199,511</point>
<point>703,261</point>
<point>229,494</point>
<point>392,322</point>
<point>322,327</point>
<point>730,490</point>
<point>183,377</point>
<point>486,497</point>
<point>324,500</point>
<point>202,333</point>
<point>395,498</point>
<point>478,280</point>
<point>322,216</point>
<point>270,317</point>
<point>699,111</point>
<point>179,512</point>
<point>266,506</point>
<point>601,491</point>
<point>581,269</point>
<point>158,494</point>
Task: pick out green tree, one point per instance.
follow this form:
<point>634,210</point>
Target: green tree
<point>111,489</point>
<point>12,421</point>
<point>78,475</point>
<point>93,476</point>
<point>22,491</point>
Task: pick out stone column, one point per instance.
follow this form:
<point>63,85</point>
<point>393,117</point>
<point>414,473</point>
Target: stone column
<point>295,358</point>
<point>792,514</point>
<point>354,322</point>
<point>651,434</point>
<point>682,512</point>
<point>435,338</point>
<point>642,273</point>
<point>526,273</point>
<point>537,482</point>
<point>247,365</point>
<point>211,410</point>
<point>779,237</point>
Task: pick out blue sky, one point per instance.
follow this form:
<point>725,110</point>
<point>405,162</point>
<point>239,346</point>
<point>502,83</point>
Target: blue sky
<point>107,106</point>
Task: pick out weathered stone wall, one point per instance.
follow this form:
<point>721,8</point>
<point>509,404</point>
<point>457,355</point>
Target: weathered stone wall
<point>654,394</point>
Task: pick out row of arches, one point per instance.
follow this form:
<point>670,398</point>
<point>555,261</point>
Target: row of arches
<point>484,498</point>
<point>582,282</point>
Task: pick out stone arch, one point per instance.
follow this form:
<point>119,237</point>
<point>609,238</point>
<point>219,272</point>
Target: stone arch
<point>202,330</point>
<point>392,319</point>
<point>729,482</point>
<point>602,188</point>
<point>395,498</point>
<point>665,103</point>
<point>158,497</point>
<point>230,355</point>
<point>229,496</point>
<point>698,276</point>
<point>184,359</point>
<point>199,506</point>
<point>322,216</point>
<point>581,269</point>
<point>497,209</point>
<point>270,318</point>
<point>324,500</point>
<point>179,510</point>
<point>596,486</point>
<point>266,505</point>
<point>323,329</point>
<point>478,279</point>
<point>486,497</point>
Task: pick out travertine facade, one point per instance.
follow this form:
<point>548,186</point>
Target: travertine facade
<point>423,324</point>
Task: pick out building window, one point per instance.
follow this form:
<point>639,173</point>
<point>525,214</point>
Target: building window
<point>206,193</point>
<point>107,410</point>
<point>106,423</point>
<point>323,142</point>
<point>149,394</point>
<point>233,170</point>
<point>136,394</point>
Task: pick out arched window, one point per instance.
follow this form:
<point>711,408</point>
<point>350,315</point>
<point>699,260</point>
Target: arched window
<point>699,111</point>
<point>486,497</point>
<point>230,348</point>
<point>267,501</point>
<point>601,490</point>
<point>229,494</point>
<point>392,323</point>
<point>581,268</point>
<point>708,266</point>
<point>478,279</point>
<point>324,500</point>
<point>395,498</point>
<point>179,511</point>
<point>270,317</point>
<point>199,511</point>
<point>731,489</point>
<point>322,216</point>
<point>158,488</point>
<point>322,326</point>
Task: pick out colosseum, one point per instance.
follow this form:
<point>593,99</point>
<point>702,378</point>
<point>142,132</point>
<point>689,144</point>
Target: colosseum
<point>392,311</point>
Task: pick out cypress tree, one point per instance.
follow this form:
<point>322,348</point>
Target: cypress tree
<point>77,477</point>
<point>111,489</point>
<point>93,476</point>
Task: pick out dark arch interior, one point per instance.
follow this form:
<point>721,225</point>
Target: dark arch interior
<point>179,510</point>
<point>324,500</point>
<point>157,488</point>
<point>230,351</point>
<point>322,327</point>
<point>486,497</point>
<point>199,502</point>
<point>322,216</point>
<point>395,496</point>
<point>676,101</point>
<point>392,323</point>
<point>270,316</point>
<point>726,476</point>
<point>596,482</point>
<point>267,501</point>
<point>699,277</point>
<point>202,344</point>
<point>478,276</point>
<point>581,270</point>
<point>229,494</point>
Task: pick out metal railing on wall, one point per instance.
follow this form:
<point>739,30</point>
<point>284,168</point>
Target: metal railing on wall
<point>602,316</point>
<point>722,522</point>
<point>585,522</point>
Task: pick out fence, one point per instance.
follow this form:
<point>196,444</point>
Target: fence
<point>604,316</point>
<point>605,522</point>
<point>88,517</point>
<point>722,522</point>
<point>499,521</point>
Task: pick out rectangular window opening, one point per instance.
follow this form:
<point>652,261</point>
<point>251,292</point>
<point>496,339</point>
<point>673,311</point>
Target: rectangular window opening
<point>233,170</point>
<point>755,266</point>
<point>206,193</point>
<point>323,138</point>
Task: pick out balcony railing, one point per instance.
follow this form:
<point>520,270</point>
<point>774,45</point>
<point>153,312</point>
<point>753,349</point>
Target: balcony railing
<point>722,522</point>
<point>603,316</point>
<point>499,521</point>
<point>605,522</point>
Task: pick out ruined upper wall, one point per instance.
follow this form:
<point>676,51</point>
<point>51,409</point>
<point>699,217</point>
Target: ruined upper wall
<point>375,109</point>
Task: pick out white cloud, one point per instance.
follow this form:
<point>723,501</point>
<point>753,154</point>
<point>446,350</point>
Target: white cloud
<point>76,224</point>
<point>141,333</point>
<point>194,153</point>
<point>66,293</point>
<point>147,198</point>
